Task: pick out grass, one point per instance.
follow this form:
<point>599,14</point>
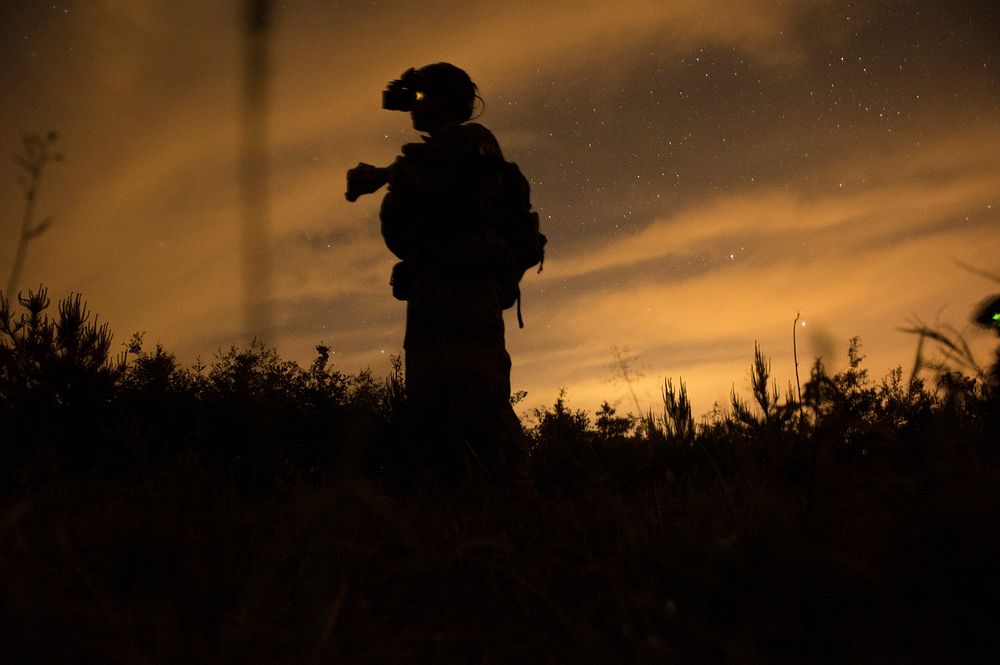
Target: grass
<point>247,512</point>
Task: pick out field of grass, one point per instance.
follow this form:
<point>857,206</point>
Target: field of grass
<point>253,511</point>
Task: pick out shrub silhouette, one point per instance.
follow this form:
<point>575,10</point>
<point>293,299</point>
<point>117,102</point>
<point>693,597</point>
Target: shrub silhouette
<point>244,510</point>
<point>57,377</point>
<point>612,426</point>
<point>65,394</point>
<point>65,397</point>
<point>774,416</point>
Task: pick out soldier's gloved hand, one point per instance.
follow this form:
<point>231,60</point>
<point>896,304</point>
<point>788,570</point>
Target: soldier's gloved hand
<point>365,179</point>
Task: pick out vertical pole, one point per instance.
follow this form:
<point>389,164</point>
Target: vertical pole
<point>254,202</point>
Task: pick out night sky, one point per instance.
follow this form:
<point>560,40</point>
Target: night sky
<point>704,172</point>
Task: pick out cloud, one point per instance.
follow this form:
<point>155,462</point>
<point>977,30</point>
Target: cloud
<point>950,177</point>
<point>703,328</point>
<point>857,263</point>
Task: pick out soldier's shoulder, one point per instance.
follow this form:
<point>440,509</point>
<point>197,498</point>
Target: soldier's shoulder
<point>475,138</point>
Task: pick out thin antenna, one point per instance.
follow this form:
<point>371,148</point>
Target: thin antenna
<point>795,357</point>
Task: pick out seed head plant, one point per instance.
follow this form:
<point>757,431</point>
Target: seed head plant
<point>38,151</point>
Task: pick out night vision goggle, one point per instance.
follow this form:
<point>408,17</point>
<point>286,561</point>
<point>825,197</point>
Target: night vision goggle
<point>403,93</point>
<point>415,85</point>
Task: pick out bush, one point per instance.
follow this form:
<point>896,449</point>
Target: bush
<point>57,378</point>
<point>236,512</point>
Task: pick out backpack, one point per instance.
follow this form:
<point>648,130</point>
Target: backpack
<point>480,184</point>
<point>507,205</point>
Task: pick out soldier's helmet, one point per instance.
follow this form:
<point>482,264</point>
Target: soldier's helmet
<point>452,83</point>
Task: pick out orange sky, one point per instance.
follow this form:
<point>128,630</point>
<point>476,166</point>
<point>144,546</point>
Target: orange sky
<point>703,175</point>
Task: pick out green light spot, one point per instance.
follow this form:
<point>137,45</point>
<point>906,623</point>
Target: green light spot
<point>996,317</point>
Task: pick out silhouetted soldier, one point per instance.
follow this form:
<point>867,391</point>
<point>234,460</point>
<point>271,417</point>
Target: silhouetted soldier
<point>459,218</point>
